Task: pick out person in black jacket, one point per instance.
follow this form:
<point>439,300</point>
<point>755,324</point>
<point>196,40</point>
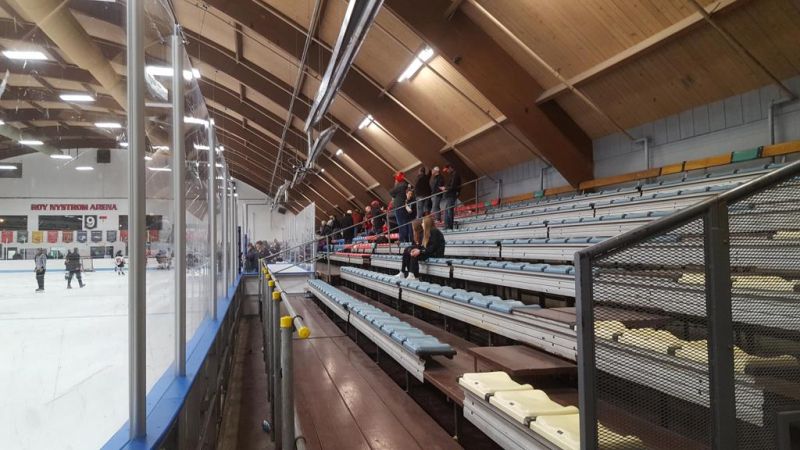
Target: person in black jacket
<point>347,227</point>
<point>437,187</point>
<point>430,245</point>
<point>73,266</point>
<point>451,190</point>
<point>422,190</point>
<point>398,194</point>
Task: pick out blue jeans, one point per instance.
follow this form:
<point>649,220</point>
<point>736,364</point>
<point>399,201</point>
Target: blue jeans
<point>449,204</point>
<point>403,224</point>
<point>435,201</point>
<point>423,206</point>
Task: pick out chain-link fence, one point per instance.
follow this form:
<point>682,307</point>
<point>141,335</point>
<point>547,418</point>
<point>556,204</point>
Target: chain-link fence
<point>690,327</point>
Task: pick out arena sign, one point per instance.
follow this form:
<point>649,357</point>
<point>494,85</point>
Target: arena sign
<point>73,207</point>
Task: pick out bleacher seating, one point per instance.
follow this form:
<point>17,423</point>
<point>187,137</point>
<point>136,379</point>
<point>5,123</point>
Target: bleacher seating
<point>408,345</point>
<point>519,417</point>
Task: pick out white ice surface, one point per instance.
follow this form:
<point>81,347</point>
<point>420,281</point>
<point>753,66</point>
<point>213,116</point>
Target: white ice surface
<point>64,354</point>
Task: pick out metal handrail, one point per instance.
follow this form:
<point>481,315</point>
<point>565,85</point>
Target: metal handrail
<point>683,216</point>
<point>385,214</point>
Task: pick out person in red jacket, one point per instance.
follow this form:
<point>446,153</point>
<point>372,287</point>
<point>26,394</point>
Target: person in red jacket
<point>357,218</point>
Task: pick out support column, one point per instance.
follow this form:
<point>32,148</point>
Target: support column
<point>136,221</point>
<point>224,222</point>
<point>179,201</point>
<point>212,216</point>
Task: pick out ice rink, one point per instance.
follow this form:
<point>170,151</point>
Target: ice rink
<point>64,358</point>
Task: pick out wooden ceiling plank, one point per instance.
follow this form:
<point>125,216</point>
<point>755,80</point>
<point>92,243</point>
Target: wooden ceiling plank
<point>478,58</point>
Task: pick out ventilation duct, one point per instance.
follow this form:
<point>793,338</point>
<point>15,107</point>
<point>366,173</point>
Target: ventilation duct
<point>357,20</point>
<point>318,146</point>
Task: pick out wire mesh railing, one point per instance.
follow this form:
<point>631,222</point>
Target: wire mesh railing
<point>712,360</point>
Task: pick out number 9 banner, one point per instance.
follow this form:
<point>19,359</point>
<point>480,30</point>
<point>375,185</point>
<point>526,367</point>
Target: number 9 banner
<point>89,222</point>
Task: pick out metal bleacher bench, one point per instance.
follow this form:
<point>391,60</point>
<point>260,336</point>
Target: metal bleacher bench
<point>407,345</point>
<point>509,318</point>
<point>546,278</point>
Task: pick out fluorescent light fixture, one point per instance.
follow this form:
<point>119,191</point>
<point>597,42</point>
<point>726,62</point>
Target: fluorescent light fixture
<point>322,170</point>
<point>84,168</point>
<point>2,123</point>
<point>220,148</point>
<point>220,178</point>
<point>60,156</point>
<point>123,144</point>
<point>339,152</point>
<point>416,64</point>
<point>162,71</point>
<point>110,125</point>
<point>27,55</point>
<point>162,148</point>
<point>200,147</point>
<point>148,158</point>
<point>7,167</point>
<point>219,165</point>
<point>366,122</point>
<point>195,121</point>
<point>76,97</point>
<point>159,169</point>
<point>235,194</point>
<point>30,142</point>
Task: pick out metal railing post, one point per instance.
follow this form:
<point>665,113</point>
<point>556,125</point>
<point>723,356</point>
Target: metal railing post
<point>179,201</point>
<point>224,225</point>
<point>212,218</point>
<point>268,334</point>
<point>137,301</point>
<point>720,325</point>
<point>587,393</point>
<point>286,377</point>
<point>275,363</point>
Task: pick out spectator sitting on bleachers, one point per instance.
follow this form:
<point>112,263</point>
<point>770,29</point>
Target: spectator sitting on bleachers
<point>431,245</point>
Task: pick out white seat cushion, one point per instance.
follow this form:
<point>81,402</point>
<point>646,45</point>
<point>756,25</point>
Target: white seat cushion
<point>523,405</point>
<point>487,383</point>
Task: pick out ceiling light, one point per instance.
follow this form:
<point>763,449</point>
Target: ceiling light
<point>24,55</point>
<point>162,148</point>
<point>84,168</point>
<point>160,169</point>
<point>60,156</point>
<point>366,122</point>
<point>220,178</point>
<point>123,144</point>
<point>195,121</point>
<point>30,142</point>
<point>7,167</point>
<point>110,125</point>
<point>235,194</point>
<point>2,123</point>
<point>339,152</point>
<point>322,170</point>
<point>416,64</point>
<point>148,158</point>
<point>163,71</point>
<point>76,97</point>
<point>220,148</point>
<point>200,147</point>
<point>219,165</point>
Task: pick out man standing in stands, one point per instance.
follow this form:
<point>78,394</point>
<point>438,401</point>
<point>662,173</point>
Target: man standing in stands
<point>41,266</point>
<point>451,190</point>
<point>73,265</point>
<point>437,186</point>
<point>357,219</point>
<point>347,226</point>
<point>422,190</point>
<point>398,194</point>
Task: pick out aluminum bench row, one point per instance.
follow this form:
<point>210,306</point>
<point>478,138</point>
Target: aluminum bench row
<point>488,312</point>
<point>631,203</point>
<point>545,278</point>
<point>671,362</point>
<point>519,417</point>
<point>406,344</point>
<point>601,226</point>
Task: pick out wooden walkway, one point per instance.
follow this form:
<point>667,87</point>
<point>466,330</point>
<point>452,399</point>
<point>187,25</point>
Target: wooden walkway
<point>345,401</point>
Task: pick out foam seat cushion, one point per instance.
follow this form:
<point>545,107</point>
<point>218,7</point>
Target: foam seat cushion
<point>487,383</point>
<point>402,335</point>
<point>659,341</point>
<point>480,300</point>
<point>426,345</point>
<point>522,405</point>
<point>562,430</point>
<point>505,306</point>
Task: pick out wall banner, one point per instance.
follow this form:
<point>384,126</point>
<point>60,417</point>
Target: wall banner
<point>97,236</point>
<point>66,237</point>
<point>111,236</point>
<point>81,236</point>
<point>52,237</point>
<point>37,237</point>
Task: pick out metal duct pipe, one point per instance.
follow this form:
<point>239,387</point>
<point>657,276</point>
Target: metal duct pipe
<point>771,115</point>
<point>61,26</point>
<point>646,142</point>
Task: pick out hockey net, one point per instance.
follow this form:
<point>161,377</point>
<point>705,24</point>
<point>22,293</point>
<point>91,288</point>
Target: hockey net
<point>87,264</point>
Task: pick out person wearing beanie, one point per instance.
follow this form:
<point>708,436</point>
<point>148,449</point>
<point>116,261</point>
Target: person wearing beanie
<point>398,194</point>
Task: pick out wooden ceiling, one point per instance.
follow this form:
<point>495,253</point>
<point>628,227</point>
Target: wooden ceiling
<point>510,80</point>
